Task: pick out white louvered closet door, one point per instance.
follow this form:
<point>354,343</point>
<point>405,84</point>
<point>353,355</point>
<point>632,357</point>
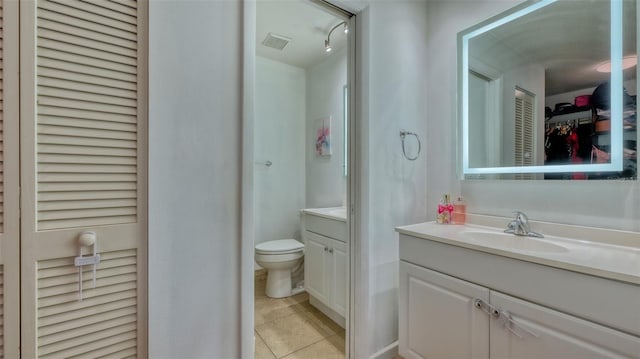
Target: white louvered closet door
<point>9,183</point>
<point>83,155</point>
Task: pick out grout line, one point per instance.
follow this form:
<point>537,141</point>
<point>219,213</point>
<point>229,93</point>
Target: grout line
<point>295,312</point>
<point>265,344</point>
<point>304,347</point>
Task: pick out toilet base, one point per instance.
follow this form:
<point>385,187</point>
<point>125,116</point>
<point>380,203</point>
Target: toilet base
<point>278,283</point>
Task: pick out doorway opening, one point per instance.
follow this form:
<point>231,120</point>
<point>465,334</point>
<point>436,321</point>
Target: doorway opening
<point>300,179</point>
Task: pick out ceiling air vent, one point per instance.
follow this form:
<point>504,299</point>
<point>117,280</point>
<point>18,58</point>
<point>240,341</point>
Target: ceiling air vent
<point>276,41</point>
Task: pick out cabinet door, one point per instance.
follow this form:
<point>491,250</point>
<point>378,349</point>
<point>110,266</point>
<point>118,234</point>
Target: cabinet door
<point>338,279</point>
<point>554,334</point>
<point>438,318</point>
<point>315,266</point>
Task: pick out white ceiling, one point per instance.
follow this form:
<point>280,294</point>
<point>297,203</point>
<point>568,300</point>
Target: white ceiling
<point>305,23</point>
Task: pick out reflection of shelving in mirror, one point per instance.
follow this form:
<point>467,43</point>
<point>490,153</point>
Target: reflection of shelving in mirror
<point>584,136</point>
<point>582,114</point>
<point>602,140</point>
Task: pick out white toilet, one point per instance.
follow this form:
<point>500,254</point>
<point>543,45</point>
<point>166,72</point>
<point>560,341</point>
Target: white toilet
<point>280,258</point>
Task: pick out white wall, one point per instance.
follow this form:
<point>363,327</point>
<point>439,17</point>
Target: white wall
<point>325,184</point>
<point>445,18</point>
<point>279,137</point>
<point>194,179</point>
<point>393,79</point>
<point>613,204</point>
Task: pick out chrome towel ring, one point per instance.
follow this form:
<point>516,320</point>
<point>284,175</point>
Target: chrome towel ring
<point>403,135</point>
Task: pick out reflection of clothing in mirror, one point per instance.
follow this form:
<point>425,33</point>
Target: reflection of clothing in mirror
<point>556,147</point>
<point>567,144</point>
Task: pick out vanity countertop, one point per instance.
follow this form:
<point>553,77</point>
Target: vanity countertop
<point>607,260</point>
<point>335,213</point>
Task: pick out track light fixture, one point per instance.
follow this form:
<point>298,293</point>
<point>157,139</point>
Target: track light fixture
<point>327,45</point>
<point>327,42</point>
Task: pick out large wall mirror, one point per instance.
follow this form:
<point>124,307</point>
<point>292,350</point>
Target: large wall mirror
<point>547,90</point>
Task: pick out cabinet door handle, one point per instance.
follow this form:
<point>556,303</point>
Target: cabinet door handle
<point>508,323</point>
<point>486,307</point>
<point>326,249</point>
<point>331,250</point>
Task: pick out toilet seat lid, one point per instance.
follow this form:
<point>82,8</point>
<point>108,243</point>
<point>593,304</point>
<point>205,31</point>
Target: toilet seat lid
<point>280,246</point>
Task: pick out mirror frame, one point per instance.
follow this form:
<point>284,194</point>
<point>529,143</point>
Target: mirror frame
<point>616,33</point>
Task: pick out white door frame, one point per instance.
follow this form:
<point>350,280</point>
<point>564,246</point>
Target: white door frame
<point>247,324</point>
<point>10,236</point>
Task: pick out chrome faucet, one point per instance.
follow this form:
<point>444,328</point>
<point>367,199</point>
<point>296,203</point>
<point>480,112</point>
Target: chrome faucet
<point>520,226</point>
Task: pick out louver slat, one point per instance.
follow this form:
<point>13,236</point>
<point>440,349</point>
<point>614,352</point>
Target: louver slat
<point>98,38</point>
<point>104,322</point>
<point>100,9</point>
<point>87,110</point>
<point>94,15</point>
<point>124,7</point>
<point>95,24</point>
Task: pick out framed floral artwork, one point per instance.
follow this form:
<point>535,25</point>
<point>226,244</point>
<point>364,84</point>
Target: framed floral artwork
<point>323,136</point>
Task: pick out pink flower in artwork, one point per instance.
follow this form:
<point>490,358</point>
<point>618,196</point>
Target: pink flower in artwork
<point>323,137</point>
<point>322,141</point>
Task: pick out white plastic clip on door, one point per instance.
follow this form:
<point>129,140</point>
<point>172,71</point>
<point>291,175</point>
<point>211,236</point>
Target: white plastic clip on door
<point>84,240</point>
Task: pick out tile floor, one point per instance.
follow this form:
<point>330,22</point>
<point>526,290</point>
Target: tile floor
<point>291,328</point>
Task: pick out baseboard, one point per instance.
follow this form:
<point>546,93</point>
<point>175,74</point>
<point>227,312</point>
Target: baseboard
<point>333,315</point>
<point>388,352</point>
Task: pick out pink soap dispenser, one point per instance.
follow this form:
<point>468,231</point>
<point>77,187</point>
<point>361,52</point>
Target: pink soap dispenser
<point>459,215</point>
<point>445,208</point>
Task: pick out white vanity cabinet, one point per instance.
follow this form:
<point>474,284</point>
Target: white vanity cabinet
<point>325,264</point>
<point>325,270</point>
<point>552,334</point>
<point>467,302</point>
<point>439,318</point>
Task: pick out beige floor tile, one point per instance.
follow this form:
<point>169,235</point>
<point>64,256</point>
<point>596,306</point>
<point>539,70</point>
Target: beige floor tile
<point>330,348</point>
<point>268,313</point>
<point>259,288</point>
<point>322,321</point>
<point>268,309</point>
<point>298,298</point>
<point>339,342</point>
<point>288,325</point>
<point>289,334</point>
<point>266,302</point>
<point>262,351</point>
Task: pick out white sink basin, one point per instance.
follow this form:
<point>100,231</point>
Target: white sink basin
<point>512,242</point>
